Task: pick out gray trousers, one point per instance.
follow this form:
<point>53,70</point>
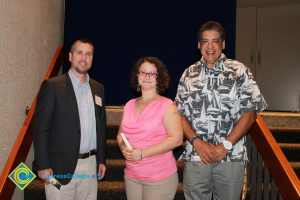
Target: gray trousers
<point>223,181</point>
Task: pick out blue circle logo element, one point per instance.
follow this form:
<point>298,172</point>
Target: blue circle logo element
<point>22,176</point>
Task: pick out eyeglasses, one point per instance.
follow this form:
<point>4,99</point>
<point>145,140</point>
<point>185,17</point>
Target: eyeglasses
<point>150,74</point>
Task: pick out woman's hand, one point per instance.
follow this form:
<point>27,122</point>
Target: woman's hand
<point>132,154</point>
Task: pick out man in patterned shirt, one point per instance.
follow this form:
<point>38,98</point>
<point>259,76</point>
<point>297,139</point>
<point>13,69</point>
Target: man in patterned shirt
<point>218,99</point>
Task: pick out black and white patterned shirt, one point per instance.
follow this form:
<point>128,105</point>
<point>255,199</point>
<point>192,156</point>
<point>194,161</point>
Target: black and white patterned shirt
<point>213,99</point>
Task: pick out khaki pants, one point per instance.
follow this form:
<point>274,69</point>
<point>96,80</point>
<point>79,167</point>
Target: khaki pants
<point>82,186</point>
<point>151,190</point>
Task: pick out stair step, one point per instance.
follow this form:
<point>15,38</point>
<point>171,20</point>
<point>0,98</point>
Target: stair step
<point>291,151</point>
<point>290,145</point>
<point>286,135</point>
<point>296,167</point>
<point>112,150</point>
<point>111,132</point>
<point>281,119</point>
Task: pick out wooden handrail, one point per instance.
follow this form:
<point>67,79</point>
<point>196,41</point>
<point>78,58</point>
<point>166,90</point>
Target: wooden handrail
<point>280,169</point>
<point>24,140</point>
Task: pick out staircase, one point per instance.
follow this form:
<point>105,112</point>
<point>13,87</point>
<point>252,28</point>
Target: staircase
<point>286,133</point>
<point>285,128</point>
<point>289,142</point>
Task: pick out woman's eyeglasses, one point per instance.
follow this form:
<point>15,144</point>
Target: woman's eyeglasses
<point>150,74</point>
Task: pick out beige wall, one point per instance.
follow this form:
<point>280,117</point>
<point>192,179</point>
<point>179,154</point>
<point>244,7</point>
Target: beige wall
<point>30,31</point>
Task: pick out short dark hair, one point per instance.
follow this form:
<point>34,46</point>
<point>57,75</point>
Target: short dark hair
<point>82,40</point>
<point>211,25</point>
<point>163,77</point>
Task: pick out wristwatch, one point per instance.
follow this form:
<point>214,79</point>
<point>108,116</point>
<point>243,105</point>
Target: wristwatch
<point>193,139</point>
<point>227,144</point>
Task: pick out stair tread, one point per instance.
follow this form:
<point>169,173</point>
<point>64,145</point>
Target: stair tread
<point>295,165</point>
<point>115,162</point>
<point>276,128</point>
<point>111,142</point>
<point>279,114</point>
<point>290,145</point>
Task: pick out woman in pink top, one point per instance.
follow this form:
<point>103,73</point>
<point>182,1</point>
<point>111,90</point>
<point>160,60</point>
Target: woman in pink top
<point>152,126</point>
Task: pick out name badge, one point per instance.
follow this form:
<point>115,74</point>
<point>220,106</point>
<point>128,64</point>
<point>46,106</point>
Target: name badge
<point>98,100</point>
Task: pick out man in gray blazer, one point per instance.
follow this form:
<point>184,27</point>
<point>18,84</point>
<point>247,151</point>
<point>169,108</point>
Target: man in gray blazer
<point>69,129</point>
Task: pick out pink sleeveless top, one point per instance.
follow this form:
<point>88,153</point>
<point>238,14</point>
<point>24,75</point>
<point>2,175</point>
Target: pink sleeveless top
<point>144,131</point>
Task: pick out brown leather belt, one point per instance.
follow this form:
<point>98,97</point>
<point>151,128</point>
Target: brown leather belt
<point>88,154</point>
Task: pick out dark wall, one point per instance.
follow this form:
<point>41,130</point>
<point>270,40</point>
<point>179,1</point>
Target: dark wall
<point>124,31</point>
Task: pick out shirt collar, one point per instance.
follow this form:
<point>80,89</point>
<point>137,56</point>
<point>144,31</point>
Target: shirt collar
<point>218,64</point>
<point>75,80</point>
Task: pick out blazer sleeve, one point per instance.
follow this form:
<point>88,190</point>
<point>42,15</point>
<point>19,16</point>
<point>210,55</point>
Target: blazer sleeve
<point>42,125</point>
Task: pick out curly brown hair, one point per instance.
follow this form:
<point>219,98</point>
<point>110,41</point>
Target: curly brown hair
<point>163,77</point>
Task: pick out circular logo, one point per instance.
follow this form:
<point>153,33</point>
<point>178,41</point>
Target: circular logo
<point>21,176</point>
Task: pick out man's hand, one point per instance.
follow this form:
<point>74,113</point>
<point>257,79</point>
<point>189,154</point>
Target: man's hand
<point>45,174</point>
<point>221,151</point>
<point>101,171</point>
<point>206,151</point>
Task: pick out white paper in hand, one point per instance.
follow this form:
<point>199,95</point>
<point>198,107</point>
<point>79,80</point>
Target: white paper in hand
<point>126,141</point>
